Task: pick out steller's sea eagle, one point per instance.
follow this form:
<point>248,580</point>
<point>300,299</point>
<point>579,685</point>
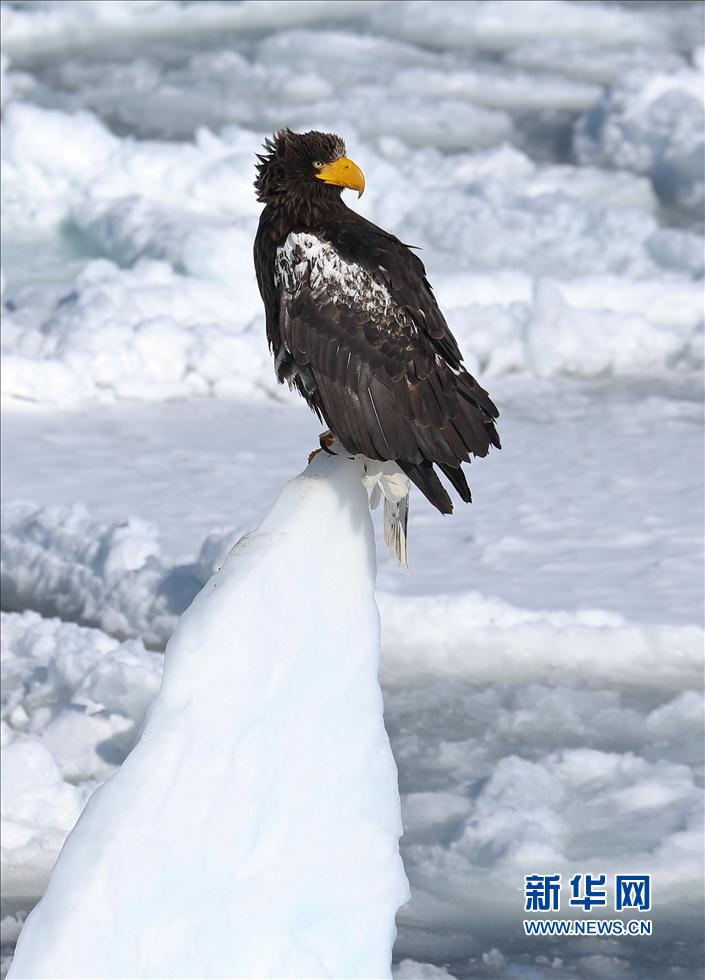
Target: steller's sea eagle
<point>354,326</point>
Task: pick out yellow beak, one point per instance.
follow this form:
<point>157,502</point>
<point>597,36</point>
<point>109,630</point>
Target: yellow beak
<point>343,173</point>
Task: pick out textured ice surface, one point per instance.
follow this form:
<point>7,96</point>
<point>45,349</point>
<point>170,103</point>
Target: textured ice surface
<point>521,738</point>
<point>73,701</point>
<point>262,792</point>
<point>651,123</point>
<point>107,575</point>
<point>482,181</point>
<point>599,505</point>
<point>473,684</point>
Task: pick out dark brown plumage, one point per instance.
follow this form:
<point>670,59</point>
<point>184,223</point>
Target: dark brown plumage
<point>354,325</point>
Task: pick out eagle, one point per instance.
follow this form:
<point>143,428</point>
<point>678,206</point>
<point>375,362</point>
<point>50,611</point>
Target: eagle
<point>355,328</point>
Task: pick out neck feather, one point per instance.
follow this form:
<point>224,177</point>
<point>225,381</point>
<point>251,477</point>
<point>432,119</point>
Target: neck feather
<point>309,205</point>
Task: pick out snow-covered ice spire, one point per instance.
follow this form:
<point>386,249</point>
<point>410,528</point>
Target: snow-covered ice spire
<point>253,831</point>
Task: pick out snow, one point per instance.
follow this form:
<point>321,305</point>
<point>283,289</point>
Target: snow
<point>73,700</point>
<point>169,224</point>
<point>598,341</point>
<point>66,25</point>
<point>500,24</point>
<point>266,763</point>
<point>623,701</point>
<point>147,333</point>
<point>62,563</point>
<point>410,970</point>
<point>150,332</point>
<point>540,664</point>
<point>41,809</point>
<point>651,123</point>
<point>480,685</point>
<point>527,545</point>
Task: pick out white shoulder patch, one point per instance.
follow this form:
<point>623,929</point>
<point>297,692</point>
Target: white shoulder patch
<point>306,259</point>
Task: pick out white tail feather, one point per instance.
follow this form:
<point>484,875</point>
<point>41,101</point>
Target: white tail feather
<point>395,520</point>
<point>375,496</point>
<point>384,479</point>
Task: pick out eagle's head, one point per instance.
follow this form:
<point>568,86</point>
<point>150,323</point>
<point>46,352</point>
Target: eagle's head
<point>305,168</point>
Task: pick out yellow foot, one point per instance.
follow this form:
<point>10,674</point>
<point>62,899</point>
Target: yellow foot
<point>326,439</point>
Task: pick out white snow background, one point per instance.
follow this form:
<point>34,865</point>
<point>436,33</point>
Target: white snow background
<point>261,836</point>
<point>541,665</point>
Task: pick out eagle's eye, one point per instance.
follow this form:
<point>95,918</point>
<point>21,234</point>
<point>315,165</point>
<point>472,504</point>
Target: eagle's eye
<point>318,164</point>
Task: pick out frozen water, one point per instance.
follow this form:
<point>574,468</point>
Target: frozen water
<point>73,700</point>
<point>190,323</point>
<point>477,683</point>
<point>143,333</point>
<point>187,321</point>
<point>651,123</point>
<point>107,575</point>
<point>472,752</point>
<point>527,545</point>
<point>264,762</point>
<point>547,158</point>
<point>477,699</point>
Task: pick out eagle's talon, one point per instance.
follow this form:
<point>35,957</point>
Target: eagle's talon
<point>327,440</point>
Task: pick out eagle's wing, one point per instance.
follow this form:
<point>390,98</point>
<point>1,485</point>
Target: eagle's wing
<point>363,339</point>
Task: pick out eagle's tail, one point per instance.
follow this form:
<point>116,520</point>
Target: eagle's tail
<point>425,478</point>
